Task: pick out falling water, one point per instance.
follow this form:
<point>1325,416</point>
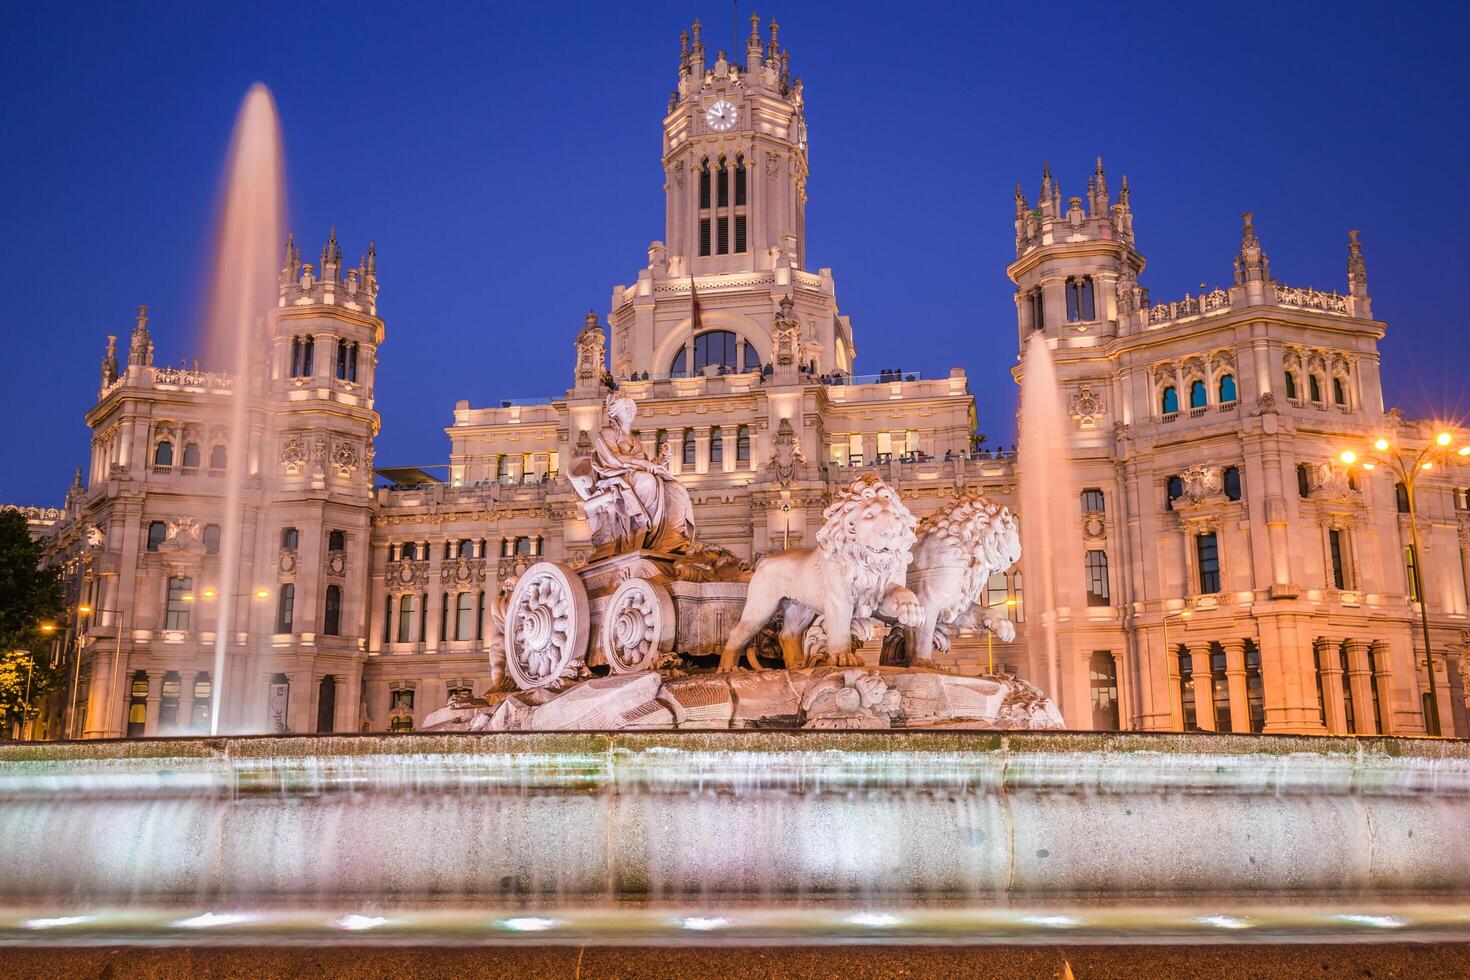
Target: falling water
<point>1047,498</point>
<point>242,294</point>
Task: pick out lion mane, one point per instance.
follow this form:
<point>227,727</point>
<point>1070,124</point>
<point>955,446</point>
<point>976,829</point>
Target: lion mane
<point>980,535</point>
<point>872,571</point>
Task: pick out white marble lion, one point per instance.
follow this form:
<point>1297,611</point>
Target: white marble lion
<point>958,549</point>
<point>855,572</point>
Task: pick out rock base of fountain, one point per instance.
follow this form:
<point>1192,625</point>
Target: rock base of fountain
<point>809,698</point>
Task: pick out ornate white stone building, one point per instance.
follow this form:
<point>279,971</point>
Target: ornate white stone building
<point>1204,434</point>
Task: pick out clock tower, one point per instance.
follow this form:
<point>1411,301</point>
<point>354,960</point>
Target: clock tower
<point>735,159</point>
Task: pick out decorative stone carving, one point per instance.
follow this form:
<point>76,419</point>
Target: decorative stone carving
<point>182,536</point>
<point>637,626</point>
<point>1086,407</point>
<point>591,347</point>
<point>547,624</point>
<point>786,336</point>
<point>463,573</point>
<point>1329,481</point>
<point>1094,525</point>
<point>344,457</point>
<point>957,550</point>
<point>499,606</point>
<point>710,563</point>
<point>336,564</point>
<point>96,537</point>
<point>293,454</point>
<point>1265,404</point>
<point>632,502</point>
<point>851,699</point>
<point>855,571</point>
<point>407,576</point>
<point>1127,290</point>
<point>1202,484</point>
<point>787,463</point>
<point>287,562</point>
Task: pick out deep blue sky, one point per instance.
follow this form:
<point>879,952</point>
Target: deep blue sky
<point>506,160</point>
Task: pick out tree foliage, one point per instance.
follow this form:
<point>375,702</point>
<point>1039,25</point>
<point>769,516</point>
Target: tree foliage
<point>30,595</point>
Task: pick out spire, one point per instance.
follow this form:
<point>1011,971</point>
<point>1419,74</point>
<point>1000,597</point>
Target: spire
<point>1097,191</point>
<point>1357,269</point>
<point>753,44</point>
<point>109,361</point>
<point>140,347</point>
<point>1251,264</point>
<point>698,48</point>
<point>1021,206</point>
<point>1124,195</point>
<point>331,253</point>
<point>775,47</point>
<point>291,264</point>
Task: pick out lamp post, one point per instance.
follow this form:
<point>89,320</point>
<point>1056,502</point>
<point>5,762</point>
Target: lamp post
<point>1408,467</point>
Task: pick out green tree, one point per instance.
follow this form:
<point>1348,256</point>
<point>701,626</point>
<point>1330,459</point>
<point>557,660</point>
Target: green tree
<point>30,596</point>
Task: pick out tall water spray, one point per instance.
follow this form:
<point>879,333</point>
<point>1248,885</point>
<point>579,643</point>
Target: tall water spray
<point>1048,498</point>
<point>242,292</point>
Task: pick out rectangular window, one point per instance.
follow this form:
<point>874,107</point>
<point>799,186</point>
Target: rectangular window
<point>1104,681</point>
<point>1186,692</point>
<point>444,617</point>
<point>996,590</point>
<point>742,444</point>
<point>1207,550</point>
<point>690,448</point>
<point>722,191</point>
<point>285,607</point>
<point>1220,690</point>
<point>1334,541</point>
<point>716,445</point>
<point>1038,310</point>
<point>464,623</point>
<point>1092,501</point>
<point>157,532</point>
<point>703,236</point>
<point>704,187</point>
<point>722,237</point>
<point>1255,691</point>
<point>176,615</point>
<point>740,234</point>
<point>1097,578</point>
<point>388,620</point>
<point>739,182</point>
<point>405,619</point>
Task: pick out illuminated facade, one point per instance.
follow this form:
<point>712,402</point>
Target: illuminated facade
<point>1204,434</point>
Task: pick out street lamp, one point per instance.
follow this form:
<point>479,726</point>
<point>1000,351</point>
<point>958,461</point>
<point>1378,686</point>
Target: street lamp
<point>1408,467</point>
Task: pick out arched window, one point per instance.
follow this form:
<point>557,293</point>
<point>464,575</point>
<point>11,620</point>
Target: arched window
<point>1314,387</point>
<point>1291,391</point>
<point>1232,482</point>
<point>157,532</point>
<point>1401,497</point>
<point>742,444</point>
<point>1197,397</point>
<point>405,618</point>
<point>1339,393</point>
<point>464,616</point>
<point>716,446</point>
<point>1186,691</point>
<point>285,608</point>
<point>302,350</point>
<point>713,348</point>
<point>1227,389</point>
<point>1079,299</point>
<point>690,448</point>
<point>704,203</point>
<point>218,459</point>
<point>1097,578</point>
<point>326,704</point>
<point>211,539</point>
<point>191,455</point>
<point>332,619</point>
<point>1169,400</point>
<point>163,454</point>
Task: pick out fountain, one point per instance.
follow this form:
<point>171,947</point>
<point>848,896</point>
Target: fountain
<point>243,292</point>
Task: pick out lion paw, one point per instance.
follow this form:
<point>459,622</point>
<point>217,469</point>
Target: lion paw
<point>849,659</point>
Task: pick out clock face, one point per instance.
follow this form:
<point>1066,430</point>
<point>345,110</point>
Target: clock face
<point>720,116</point>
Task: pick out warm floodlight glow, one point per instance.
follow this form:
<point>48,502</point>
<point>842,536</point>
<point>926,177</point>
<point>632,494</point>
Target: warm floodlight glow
<point>84,610</point>
<point>48,627</point>
<point>1426,466</point>
<point>187,597</point>
<point>1186,613</point>
<point>1465,451</point>
<point>1381,445</point>
<point>262,593</point>
<point>1011,601</point>
<point>1369,466</point>
<point>209,593</point>
<point>1443,438</point>
<point>1349,457</point>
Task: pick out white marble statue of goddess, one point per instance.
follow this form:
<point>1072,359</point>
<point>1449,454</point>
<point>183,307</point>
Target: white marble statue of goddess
<point>632,501</point>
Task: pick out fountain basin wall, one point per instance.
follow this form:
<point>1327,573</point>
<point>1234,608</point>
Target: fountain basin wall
<point>527,818</point>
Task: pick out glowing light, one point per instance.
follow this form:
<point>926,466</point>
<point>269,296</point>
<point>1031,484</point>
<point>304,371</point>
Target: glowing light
<point>1426,466</point>
<point>84,610</point>
<point>356,923</point>
<point>1186,613</point>
<point>1465,450</point>
<point>1381,445</point>
<point>701,924</point>
<point>48,627</point>
<point>528,923</point>
<point>1443,438</point>
<point>187,597</point>
<point>56,922</point>
<point>1050,921</point>
<point>1370,466</point>
<point>262,593</point>
<point>1349,457</point>
<point>211,919</point>
<point>1011,601</point>
<point>874,920</point>
<point>1224,922</point>
<point>1376,921</point>
<point>209,593</point>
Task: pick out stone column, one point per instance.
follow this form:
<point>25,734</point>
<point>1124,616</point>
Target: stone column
<point>1240,715</point>
<point>1330,665</point>
<point>96,723</point>
<point>1360,680</point>
<point>1383,682</point>
<point>740,344</point>
<point>1204,687</point>
<point>155,695</point>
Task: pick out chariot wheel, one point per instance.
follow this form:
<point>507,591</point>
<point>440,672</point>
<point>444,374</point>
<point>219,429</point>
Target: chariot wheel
<point>546,626</point>
<point>638,626</point>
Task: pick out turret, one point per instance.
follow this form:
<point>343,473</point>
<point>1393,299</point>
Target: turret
<point>356,290</point>
<point>140,348</point>
<point>1357,275</point>
<point>109,361</point>
<point>591,346</point>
